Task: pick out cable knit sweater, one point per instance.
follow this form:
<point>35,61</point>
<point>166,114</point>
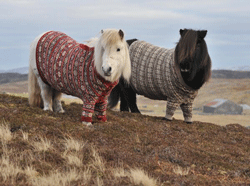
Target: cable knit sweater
<point>156,76</point>
<point>68,67</point>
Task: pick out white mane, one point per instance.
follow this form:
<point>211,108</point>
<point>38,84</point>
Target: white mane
<point>91,42</point>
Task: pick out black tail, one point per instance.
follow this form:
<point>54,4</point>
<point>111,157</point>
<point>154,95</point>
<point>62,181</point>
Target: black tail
<point>114,97</point>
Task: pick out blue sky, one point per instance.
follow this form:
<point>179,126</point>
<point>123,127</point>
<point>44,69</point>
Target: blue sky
<point>157,22</point>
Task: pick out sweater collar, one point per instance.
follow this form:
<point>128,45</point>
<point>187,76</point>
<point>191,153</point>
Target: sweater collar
<point>177,72</point>
<point>104,81</point>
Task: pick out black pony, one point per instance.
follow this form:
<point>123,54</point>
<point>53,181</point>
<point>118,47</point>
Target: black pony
<point>174,75</point>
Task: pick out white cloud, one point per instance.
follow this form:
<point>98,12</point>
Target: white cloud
<point>179,11</point>
<point>18,2</point>
<point>209,6</point>
<point>158,21</point>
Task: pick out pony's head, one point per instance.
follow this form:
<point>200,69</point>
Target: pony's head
<point>192,57</point>
<point>112,56</point>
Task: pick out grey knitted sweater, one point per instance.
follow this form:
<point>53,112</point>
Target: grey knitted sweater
<point>155,75</point>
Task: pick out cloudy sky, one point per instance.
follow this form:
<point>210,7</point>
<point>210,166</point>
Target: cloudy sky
<point>157,22</point>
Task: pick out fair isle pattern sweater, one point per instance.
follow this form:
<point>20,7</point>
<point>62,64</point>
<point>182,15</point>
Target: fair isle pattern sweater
<point>155,75</point>
<point>68,67</point>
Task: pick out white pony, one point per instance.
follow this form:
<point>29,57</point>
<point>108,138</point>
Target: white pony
<point>59,64</point>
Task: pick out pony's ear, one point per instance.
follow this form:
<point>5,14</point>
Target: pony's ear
<point>202,34</point>
<point>102,31</point>
<point>182,32</point>
<point>121,34</point>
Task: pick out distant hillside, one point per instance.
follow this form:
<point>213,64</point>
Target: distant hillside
<point>230,74</point>
<point>225,74</point>
<point>22,70</point>
<point>239,68</point>
<point>12,77</point>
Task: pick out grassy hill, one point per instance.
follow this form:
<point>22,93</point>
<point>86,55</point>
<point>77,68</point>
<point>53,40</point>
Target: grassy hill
<point>230,74</point>
<point>42,148</point>
<point>12,77</point>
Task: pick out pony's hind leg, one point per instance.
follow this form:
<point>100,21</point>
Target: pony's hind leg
<point>57,105</point>
<point>47,93</point>
<point>132,100</point>
<point>128,98</point>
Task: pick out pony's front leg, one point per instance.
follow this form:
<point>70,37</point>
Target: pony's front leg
<point>87,117</point>
<point>100,109</point>
<point>101,115</point>
<point>187,112</point>
<point>171,107</point>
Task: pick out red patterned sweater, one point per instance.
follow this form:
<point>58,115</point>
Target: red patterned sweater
<point>68,67</point>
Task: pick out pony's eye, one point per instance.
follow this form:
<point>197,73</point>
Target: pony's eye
<point>118,49</point>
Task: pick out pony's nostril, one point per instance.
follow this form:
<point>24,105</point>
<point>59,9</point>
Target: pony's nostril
<point>107,71</point>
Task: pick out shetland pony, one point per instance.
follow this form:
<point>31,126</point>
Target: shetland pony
<point>58,64</point>
<point>189,62</point>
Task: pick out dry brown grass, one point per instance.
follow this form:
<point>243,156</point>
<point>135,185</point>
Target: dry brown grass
<point>5,133</point>
<point>140,177</point>
<point>129,149</point>
<point>72,170</point>
<point>58,178</point>
<point>181,171</point>
<point>136,176</point>
<point>236,90</point>
<point>25,135</point>
<point>42,145</point>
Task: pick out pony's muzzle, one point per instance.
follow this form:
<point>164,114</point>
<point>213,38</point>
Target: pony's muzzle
<point>107,71</point>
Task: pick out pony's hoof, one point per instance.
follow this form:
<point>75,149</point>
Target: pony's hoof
<point>48,109</point>
<point>88,124</point>
<point>102,118</point>
<point>188,120</point>
<point>166,119</point>
<point>61,111</point>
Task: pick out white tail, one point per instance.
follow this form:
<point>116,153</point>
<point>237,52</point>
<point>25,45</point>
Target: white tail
<point>35,99</point>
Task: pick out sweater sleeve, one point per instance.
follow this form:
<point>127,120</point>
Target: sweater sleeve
<point>171,107</point>
<point>101,107</point>
<point>187,111</point>
<point>87,110</point>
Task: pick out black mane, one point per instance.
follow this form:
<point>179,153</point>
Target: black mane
<point>192,57</point>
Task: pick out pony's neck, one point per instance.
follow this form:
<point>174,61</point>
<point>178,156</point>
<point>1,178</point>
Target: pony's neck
<point>197,81</point>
